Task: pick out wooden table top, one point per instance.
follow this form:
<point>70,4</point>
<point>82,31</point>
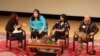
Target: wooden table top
<point>40,44</point>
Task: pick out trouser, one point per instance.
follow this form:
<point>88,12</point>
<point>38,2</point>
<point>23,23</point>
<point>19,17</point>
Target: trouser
<point>81,36</point>
<point>19,36</point>
<point>35,34</point>
<point>58,35</point>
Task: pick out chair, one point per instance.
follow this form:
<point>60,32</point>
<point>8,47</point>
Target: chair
<point>90,39</point>
<point>65,38</point>
<point>10,39</point>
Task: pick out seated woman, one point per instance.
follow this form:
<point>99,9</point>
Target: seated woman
<point>60,27</point>
<point>14,28</point>
<point>37,24</point>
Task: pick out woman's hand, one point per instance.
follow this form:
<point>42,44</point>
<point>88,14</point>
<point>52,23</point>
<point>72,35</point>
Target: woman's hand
<point>40,32</point>
<point>34,27</point>
<point>60,30</point>
<point>17,26</point>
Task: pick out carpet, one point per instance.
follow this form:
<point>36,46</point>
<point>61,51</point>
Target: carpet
<point>7,54</point>
<point>16,51</point>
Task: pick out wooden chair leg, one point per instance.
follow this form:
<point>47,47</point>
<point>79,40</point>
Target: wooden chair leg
<point>31,35</point>
<point>10,45</point>
<point>87,47</point>
<point>65,43</point>
<point>7,38</point>
<point>6,43</point>
<point>93,45</point>
<point>68,42</point>
<point>22,44</point>
<point>73,45</point>
<point>25,44</point>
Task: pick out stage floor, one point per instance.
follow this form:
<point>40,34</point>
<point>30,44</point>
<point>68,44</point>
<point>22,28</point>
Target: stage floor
<point>74,25</point>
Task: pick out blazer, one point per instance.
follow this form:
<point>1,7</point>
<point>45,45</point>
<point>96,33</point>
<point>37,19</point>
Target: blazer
<point>88,28</point>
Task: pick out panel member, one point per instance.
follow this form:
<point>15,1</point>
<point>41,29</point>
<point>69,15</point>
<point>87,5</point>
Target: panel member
<point>14,28</point>
<point>37,24</point>
<point>87,28</point>
<point>61,27</point>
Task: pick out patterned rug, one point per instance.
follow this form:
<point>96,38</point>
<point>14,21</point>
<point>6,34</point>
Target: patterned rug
<point>16,51</point>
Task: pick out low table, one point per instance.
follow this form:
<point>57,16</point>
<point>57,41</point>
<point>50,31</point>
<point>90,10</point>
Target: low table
<point>39,44</point>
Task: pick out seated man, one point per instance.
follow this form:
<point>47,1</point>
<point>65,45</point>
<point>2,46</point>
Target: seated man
<point>86,29</point>
<point>60,27</point>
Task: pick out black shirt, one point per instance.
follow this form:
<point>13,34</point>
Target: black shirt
<point>88,28</point>
<point>10,25</point>
<point>58,25</point>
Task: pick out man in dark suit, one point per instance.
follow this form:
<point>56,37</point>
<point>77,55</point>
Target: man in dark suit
<point>87,28</point>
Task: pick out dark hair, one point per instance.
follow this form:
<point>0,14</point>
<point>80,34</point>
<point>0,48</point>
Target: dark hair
<point>64,16</point>
<point>12,22</point>
<point>13,15</point>
<point>13,18</point>
<point>36,10</point>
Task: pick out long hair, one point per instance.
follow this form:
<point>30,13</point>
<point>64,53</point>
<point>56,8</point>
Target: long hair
<point>13,21</point>
<point>33,18</point>
<point>13,18</point>
<point>64,16</point>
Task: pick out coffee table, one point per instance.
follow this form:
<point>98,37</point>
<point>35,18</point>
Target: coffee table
<point>39,44</point>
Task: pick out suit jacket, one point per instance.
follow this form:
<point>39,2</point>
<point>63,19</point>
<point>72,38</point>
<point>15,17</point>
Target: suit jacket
<point>88,28</point>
